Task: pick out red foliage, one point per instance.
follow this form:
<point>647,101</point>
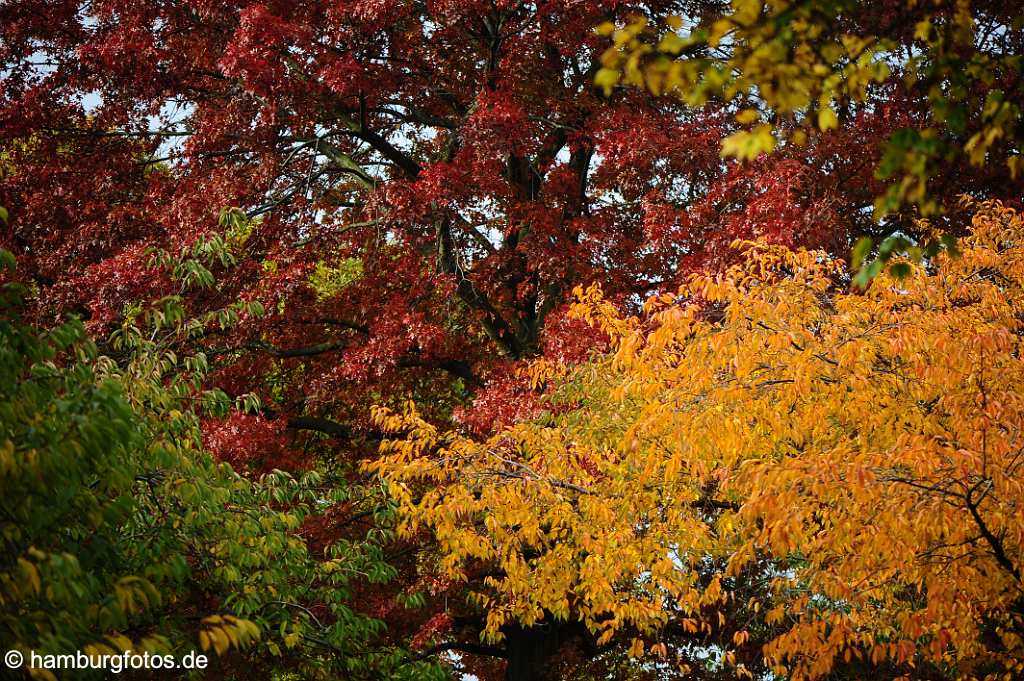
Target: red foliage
<point>456,149</point>
<point>438,625</point>
<point>251,443</point>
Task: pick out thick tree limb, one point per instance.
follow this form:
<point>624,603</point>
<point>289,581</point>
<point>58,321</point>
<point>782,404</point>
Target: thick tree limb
<point>341,431</point>
<point>995,543</point>
<point>453,366</point>
<point>320,425</point>
<point>495,326</point>
<point>471,648</point>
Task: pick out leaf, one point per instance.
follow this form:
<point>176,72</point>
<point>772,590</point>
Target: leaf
<point>747,116</point>
<point>44,674</point>
<point>949,242</point>
<point>867,273</point>
<point>7,261</point>
<point>860,251</point>
<point>30,574</point>
<point>746,145</point>
<point>827,119</point>
<point>900,270</point>
<point>923,28</point>
<point>607,79</point>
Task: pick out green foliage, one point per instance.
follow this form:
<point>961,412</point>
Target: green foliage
<point>237,226</point>
<point>330,280</point>
<point>67,476</point>
<point>897,252</point>
<point>116,523</point>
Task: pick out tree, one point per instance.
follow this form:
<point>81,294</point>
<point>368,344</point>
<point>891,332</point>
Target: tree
<point>462,156</point>
<point>806,482</point>
<point>120,533</point>
<point>797,69</point>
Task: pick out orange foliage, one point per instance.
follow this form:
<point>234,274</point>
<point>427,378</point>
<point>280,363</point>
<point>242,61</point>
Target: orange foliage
<point>869,447</point>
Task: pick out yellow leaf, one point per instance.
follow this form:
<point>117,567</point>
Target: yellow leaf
<point>923,29</point>
<point>31,575</point>
<point>607,79</point>
<point>747,145</point>
<point>747,116</point>
<point>44,674</point>
<point>827,119</point>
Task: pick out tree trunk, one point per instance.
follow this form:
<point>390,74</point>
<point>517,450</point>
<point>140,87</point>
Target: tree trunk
<point>531,652</point>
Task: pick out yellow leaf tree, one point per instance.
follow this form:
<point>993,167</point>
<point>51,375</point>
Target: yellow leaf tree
<point>802,480</point>
<point>797,63</point>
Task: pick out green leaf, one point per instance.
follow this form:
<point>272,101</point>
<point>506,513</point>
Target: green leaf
<point>867,273</point>
<point>949,242</point>
<point>7,261</point>
<point>861,250</point>
<point>900,270</point>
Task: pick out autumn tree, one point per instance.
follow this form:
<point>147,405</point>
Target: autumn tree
<point>425,182</point>
<point>409,190</point>
<point>121,533</point>
<point>796,69</point>
<point>766,473</point>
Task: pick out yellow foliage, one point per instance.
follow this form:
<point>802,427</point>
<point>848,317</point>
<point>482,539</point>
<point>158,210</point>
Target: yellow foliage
<point>870,446</point>
<point>796,58</point>
<point>223,632</point>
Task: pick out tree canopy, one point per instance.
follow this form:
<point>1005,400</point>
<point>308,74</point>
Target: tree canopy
<point>763,462</point>
<point>250,232</point>
<point>121,532</point>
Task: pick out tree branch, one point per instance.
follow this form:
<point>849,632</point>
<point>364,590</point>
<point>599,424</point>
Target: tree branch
<point>995,544</point>
<point>328,427</point>
<point>471,648</point>
<point>455,367</point>
<point>493,323</point>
